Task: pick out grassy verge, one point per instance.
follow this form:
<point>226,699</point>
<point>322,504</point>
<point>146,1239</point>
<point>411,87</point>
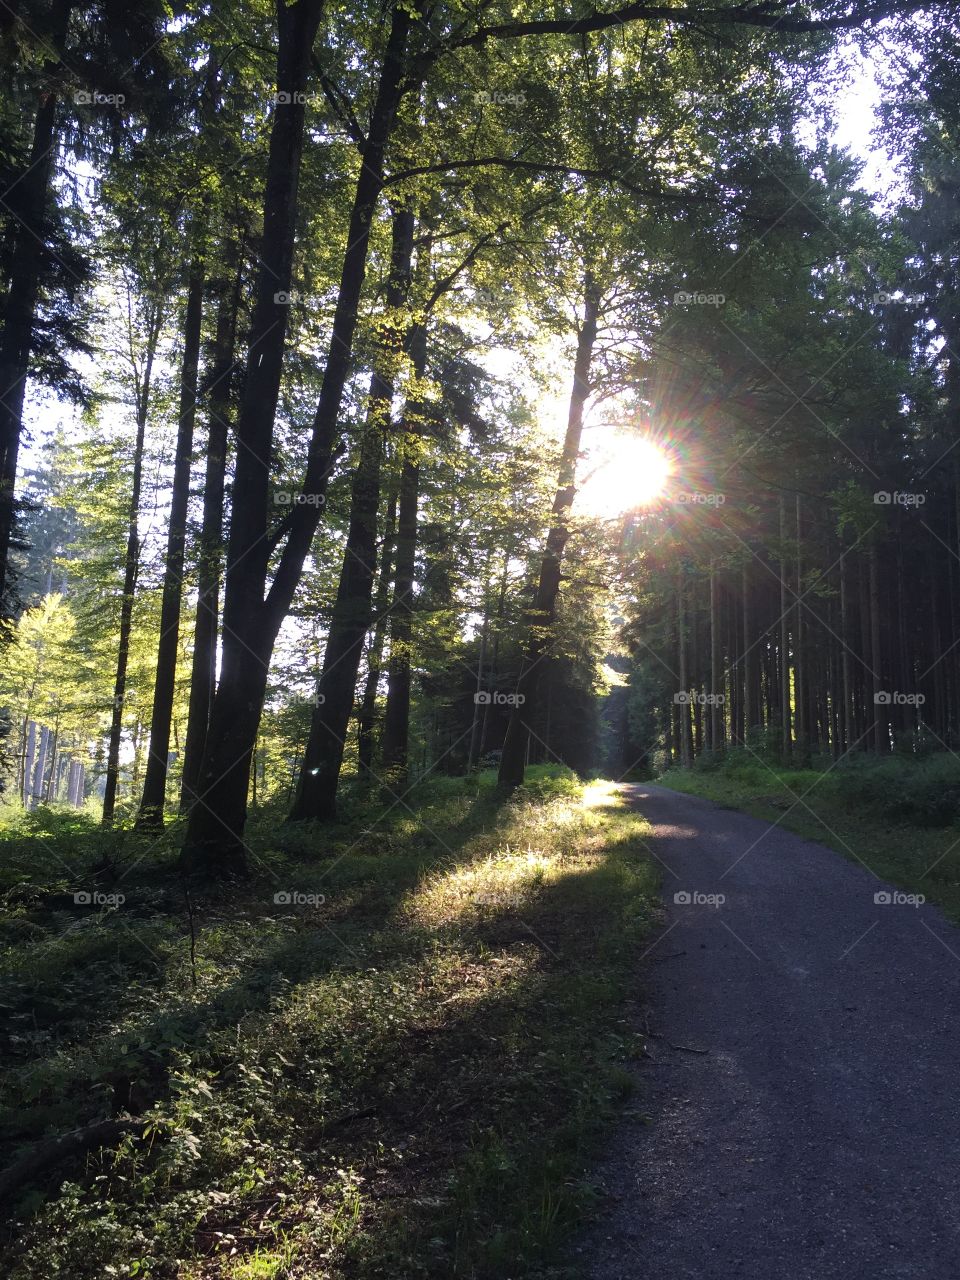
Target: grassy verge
<point>398,1069</point>
<point>899,816</point>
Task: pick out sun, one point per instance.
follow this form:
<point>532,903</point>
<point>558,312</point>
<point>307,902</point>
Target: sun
<point>621,471</point>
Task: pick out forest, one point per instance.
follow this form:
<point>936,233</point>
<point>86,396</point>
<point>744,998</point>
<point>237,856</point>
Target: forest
<point>419,421</point>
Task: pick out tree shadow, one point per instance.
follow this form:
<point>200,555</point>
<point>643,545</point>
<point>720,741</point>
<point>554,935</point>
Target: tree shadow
<point>462,1080</point>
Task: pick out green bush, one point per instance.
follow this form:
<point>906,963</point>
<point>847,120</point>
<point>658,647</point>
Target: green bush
<point>924,791</point>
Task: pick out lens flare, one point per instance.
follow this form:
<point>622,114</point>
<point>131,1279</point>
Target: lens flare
<point>621,471</point>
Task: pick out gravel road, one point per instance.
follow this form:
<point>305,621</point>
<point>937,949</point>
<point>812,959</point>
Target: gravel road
<point>819,1134</point>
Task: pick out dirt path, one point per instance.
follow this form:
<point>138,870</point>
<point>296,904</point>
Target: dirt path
<point>819,1135</point>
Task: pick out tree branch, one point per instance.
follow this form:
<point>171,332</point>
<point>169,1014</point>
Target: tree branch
<point>537,166</point>
<point>769,15</point>
<point>339,104</point>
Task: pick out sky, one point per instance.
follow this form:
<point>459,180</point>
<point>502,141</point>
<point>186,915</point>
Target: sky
<point>856,117</point>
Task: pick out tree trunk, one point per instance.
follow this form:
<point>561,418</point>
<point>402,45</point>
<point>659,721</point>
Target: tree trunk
<point>716,675</point>
<point>497,633</point>
<point>865,682</point>
<point>350,621</point>
<point>543,614</point>
<point>396,716</point>
<point>786,740</point>
<point>848,720</point>
<point>76,784</point>
<point>481,659</point>
<point>366,722</point>
<point>155,781</point>
<point>749,658</point>
<point>685,753</point>
<point>214,838</point>
<point>26,199</point>
<point>39,769</point>
<point>210,543</point>
<point>29,754</point>
<point>131,569</point>
<point>799,661</point>
<point>50,789</point>
<point>880,714</point>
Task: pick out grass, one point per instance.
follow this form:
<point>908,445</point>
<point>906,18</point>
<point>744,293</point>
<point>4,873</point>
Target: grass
<point>898,815</point>
<point>404,1072</point>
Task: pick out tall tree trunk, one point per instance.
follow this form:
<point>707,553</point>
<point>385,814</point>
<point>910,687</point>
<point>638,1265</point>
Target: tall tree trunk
<point>935,667</point>
<point>39,768</point>
<point>695,683</point>
<point>905,682</point>
<point>210,543</point>
<point>27,201</point>
<point>396,716</point>
<point>543,614</point>
<point>131,568</point>
<point>685,752</point>
<point>481,660</point>
<point>350,621</point>
<point>155,781</point>
<point>214,838</point>
<point>49,790</point>
<point>833,693</point>
<point>29,754</point>
<point>497,633</point>
<point>865,682</point>
<point>799,659</point>
<point>848,720</point>
<point>785,714</point>
<point>880,713</point>
<point>366,721</point>
<point>749,656</point>
<point>76,784</point>
<point>716,674</point>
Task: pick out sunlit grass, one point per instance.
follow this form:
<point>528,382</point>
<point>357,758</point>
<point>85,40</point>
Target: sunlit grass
<point>405,1080</point>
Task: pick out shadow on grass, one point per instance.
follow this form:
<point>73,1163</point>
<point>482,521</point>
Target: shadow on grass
<point>69,966</point>
<point>464,1058</point>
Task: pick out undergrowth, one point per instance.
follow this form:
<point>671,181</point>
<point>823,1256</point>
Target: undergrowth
<point>388,1053</point>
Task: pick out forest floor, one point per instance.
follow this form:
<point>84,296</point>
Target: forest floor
<point>391,1052</point>
<point>800,1074</point>
<point>899,818</point>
